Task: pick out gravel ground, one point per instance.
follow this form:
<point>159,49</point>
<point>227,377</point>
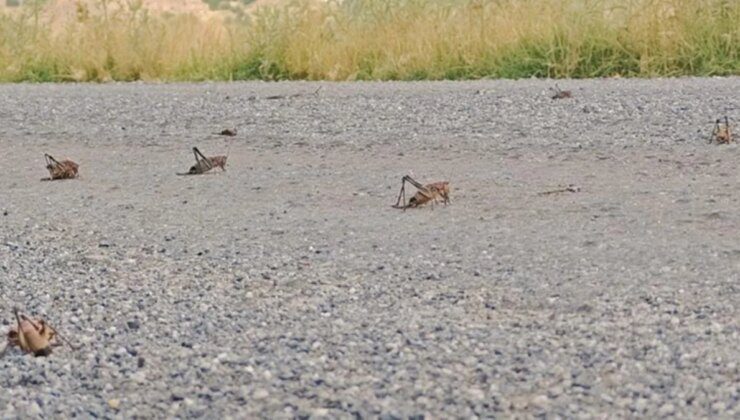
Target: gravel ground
<point>288,287</point>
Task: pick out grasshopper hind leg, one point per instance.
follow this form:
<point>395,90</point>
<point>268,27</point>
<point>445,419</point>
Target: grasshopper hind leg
<point>401,195</point>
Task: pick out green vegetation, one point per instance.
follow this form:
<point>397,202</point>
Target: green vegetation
<point>225,4</point>
<point>382,40</point>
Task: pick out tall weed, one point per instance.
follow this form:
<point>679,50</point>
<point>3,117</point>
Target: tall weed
<point>380,40</point>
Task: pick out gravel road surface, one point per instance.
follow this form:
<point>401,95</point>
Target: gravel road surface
<point>287,286</point>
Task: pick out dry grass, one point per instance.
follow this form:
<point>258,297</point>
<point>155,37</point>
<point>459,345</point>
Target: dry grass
<point>121,44</point>
<point>382,39</point>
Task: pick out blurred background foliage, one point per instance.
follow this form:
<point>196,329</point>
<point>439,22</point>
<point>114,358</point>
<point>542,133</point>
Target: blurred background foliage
<point>101,40</point>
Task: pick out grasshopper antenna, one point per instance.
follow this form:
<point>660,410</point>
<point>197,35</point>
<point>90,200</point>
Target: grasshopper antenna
<point>450,172</point>
<point>228,146</point>
<point>66,341</point>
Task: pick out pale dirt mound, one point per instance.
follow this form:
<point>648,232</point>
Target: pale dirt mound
<point>62,9</point>
<point>197,7</point>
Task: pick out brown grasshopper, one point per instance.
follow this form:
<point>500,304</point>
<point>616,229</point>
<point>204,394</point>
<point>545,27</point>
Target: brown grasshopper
<point>426,193</point>
<point>204,164</point>
<point>721,133</point>
<point>231,132</point>
<point>65,169</point>
<point>32,335</point>
<point>560,94</point>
